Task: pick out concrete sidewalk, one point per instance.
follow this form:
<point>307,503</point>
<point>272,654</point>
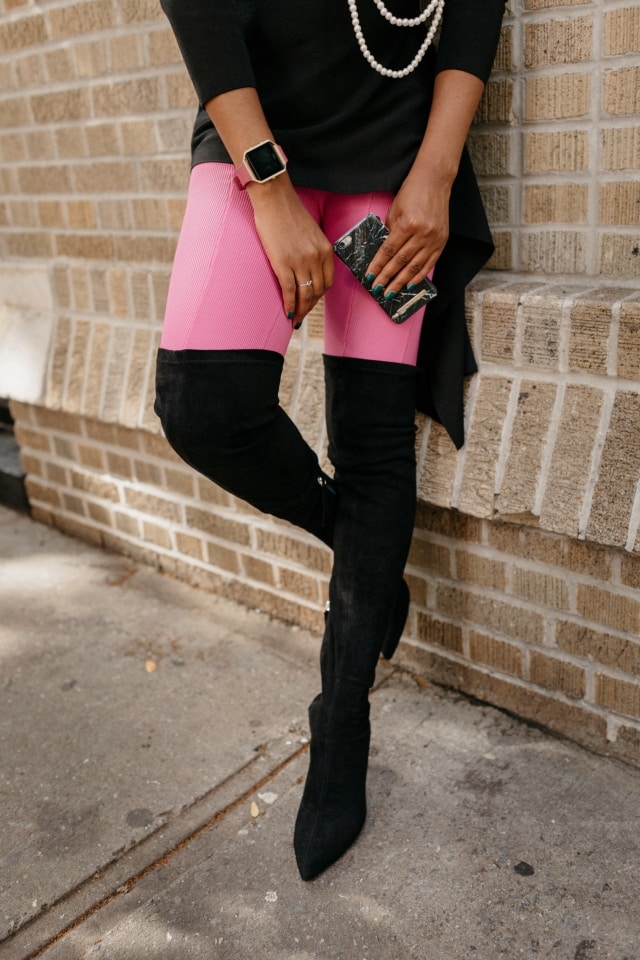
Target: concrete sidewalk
<point>153,751</point>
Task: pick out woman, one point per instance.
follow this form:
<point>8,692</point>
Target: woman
<point>312,115</point>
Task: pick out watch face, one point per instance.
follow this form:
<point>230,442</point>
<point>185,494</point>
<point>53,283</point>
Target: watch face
<point>264,161</point>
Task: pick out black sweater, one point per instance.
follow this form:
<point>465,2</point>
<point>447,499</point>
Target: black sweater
<point>348,129</point>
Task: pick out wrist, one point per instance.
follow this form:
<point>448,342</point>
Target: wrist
<point>270,191</point>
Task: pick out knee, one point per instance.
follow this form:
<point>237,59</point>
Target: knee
<point>210,409</point>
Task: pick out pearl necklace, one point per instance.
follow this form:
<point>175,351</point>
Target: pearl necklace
<point>435,7</point>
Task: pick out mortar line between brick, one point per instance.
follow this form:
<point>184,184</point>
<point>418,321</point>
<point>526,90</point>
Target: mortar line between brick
<point>634,522</point>
<point>550,443</point>
<point>594,467</point>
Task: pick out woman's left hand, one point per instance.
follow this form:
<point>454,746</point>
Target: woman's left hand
<point>418,223</point>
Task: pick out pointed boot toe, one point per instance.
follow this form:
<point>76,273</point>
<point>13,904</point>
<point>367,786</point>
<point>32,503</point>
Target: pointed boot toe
<point>334,806</point>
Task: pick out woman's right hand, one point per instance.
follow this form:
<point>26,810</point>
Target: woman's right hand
<point>295,245</point>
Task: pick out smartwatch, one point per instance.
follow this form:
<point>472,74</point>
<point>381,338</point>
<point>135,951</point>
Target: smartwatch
<point>263,162</point>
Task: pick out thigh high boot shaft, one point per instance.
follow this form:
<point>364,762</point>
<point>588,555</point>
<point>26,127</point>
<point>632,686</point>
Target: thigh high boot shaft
<point>220,413</point>
<point>370,421</point>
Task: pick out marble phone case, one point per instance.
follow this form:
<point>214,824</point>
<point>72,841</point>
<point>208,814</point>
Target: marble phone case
<point>356,249</point>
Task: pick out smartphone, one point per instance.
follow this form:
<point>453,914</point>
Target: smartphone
<point>357,248</point>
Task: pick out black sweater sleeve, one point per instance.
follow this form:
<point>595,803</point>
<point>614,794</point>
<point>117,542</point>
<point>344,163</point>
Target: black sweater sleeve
<point>469,36</point>
<point>211,38</point>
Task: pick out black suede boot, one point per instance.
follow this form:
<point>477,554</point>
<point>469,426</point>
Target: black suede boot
<point>370,421</point>
<point>220,413</point>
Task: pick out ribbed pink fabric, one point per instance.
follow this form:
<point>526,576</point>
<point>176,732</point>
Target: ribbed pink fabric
<point>223,294</point>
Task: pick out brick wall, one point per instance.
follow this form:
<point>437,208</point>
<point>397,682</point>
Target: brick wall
<point>524,573</point>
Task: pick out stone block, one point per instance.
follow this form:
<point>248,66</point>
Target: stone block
<point>138,136</point>
<point>620,148</point>
<point>622,31</point>
<point>83,246</point>
<point>91,456</point>
<point>113,214</point>
<point>496,103</point>
<point>591,318</point>
<point>620,203</point>
<point>141,351</point>
<point>148,473</point>
<point>549,548</point>
<point>619,254</point>
<point>162,48</point>
<point>81,214</point>
<point>125,52</point>
<point>99,513</point>
<point>480,571</point>
<point>72,103</point>
<point>91,58</point>
<point>217,526</point>
<point>164,175</point>
<point>619,695</point>
<point>53,178</point>
<point>541,589</point>
<point>527,446</point>
<point>142,249</point>
<point>499,321</point>
<point>557,675</point>
<point>630,570</point>
<point>559,97</point>
<point>96,369</point>
<point>299,552</point>
<point>614,610</point>
<point>556,203</point>
<point>179,91</point>
<point>189,545</point>
<point>136,96</point>
<point>105,177</point>
<point>449,523</point>
<point>430,556</point>
<point>548,42</point>
<point>618,475</point>
<point>95,485</point>
<point>544,4</point>
<point>102,141</point>
<point>12,148</point>
<point>76,18</point>
<point>298,583</point>
<point>554,251</point>
<point>498,202</point>
<point>56,474</point>
<point>490,152</point>
<point>28,31</point>
<point>439,632</point>
<point>437,469</point>
<point>220,556</point>
<point>120,465</point>
<point>127,524</point>
<point>621,94</point>
<point>608,649</point>
<point>115,373</point>
<point>570,466</point>
<point>498,654</point>
<point>137,11</point>
<point>560,151</point>
<point>59,65</point>
<point>154,533</point>
<point>77,367</point>
<point>70,142</point>
<point>483,446</point>
<point>511,620</point>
